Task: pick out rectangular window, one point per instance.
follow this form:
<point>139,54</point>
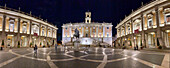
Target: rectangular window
<point>107,34</point>
<point>24,29</point>
<point>128,29</point>
<point>168,18</point>
<point>11,25</point>
<point>93,27</point>
<point>150,22</point>
<point>100,27</point>
<point>122,32</point>
<point>49,33</point>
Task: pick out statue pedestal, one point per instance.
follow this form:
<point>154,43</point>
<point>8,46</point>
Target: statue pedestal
<point>76,45</point>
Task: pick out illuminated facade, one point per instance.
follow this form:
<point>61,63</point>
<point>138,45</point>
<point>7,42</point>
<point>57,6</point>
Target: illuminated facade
<point>17,27</point>
<point>148,26</point>
<point>90,32</point>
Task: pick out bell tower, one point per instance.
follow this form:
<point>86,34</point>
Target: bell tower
<point>88,17</point>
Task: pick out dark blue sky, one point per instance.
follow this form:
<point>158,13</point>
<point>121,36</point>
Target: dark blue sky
<point>64,11</point>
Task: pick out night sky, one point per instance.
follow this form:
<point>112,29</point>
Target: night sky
<point>65,11</point>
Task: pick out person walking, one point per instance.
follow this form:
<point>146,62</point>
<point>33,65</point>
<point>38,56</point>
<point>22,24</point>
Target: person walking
<point>136,47</point>
<point>35,48</point>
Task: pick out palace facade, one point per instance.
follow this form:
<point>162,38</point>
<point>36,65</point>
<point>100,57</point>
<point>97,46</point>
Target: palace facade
<point>90,33</point>
<point>149,26</point>
<point>20,29</point>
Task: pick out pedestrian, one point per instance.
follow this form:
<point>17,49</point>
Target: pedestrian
<point>56,47</point>
<point>35,48</point>
<point>136,47</point>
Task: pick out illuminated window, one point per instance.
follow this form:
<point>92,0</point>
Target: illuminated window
<point>49,33</point>
<point>128,29</point>
<point>11,25</point>
<point>43,32</point>
<point>122,32</point>
<point>86,27</point>
<point>150,23</point>
<point>168,18</point>
<point>107,34</point>
<point>93,27</point>
<point>35,29</point>
<point>100,27</point>
<point>24,29</point>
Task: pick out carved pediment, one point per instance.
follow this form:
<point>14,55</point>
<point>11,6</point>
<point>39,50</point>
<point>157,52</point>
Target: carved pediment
<point>149,16</point>
<point>167,10</point>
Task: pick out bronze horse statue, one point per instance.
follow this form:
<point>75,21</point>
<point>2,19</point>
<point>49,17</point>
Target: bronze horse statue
<point>76,35</point>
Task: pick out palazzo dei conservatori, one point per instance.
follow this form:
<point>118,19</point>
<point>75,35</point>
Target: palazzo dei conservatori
<point>90,33</point>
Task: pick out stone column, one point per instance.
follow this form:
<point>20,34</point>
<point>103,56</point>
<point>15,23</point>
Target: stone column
<point>97,30</point>
<point>3,35</point>
<point>62,35</point>
<point>51,38</point>
<point>121,36</point>
<point>132,37</point>
<point>159,33</point>
<point>111,31</point>
<point>30,38</point>
<point>90,31</point>
<point>46,38</point>
<point>103,31</point>
<point>18,34</point>
<point>39,36</point>
<point>70,31</point>
<point>125,29</point>
<point>118,32</point>
<point>82,31</point>
<point>146,40</point>
<point>143,32</point>
<point>156,40</point>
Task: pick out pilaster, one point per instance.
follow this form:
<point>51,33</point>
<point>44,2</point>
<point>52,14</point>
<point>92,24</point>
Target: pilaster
<point>3,30</point>
<point>30,38</point>
<point>159,32</point>
<point>39,36</point>
<point>143,32</point>
<point>18,34</point>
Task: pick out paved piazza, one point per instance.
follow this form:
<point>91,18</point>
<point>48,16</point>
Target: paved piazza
<point>92,58</point>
